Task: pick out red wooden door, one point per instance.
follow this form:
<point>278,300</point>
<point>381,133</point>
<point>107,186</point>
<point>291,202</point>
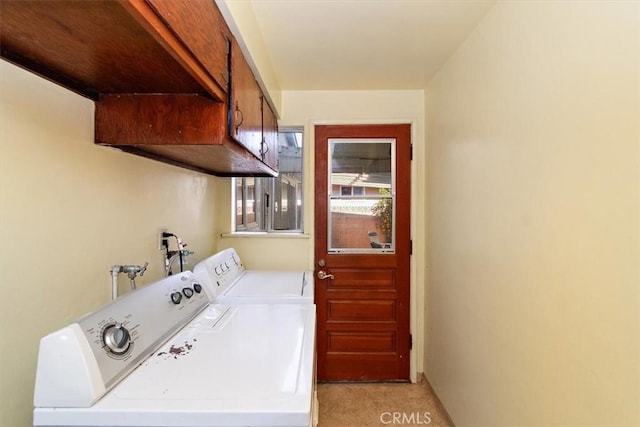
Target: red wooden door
<point>362,251</point>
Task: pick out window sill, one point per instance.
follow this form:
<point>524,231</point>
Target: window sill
<point>264,234</point>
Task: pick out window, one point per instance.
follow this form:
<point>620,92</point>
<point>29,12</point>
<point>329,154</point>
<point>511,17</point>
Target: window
<point>273,204</point>
<point>345,191</point>
<point>351,191</point>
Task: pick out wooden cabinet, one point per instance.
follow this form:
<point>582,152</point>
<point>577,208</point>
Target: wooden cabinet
<point>95,47</point>
<point>245,118</point>
<point>160,72</point>
<point>181,129</point>
<point>252,121</point>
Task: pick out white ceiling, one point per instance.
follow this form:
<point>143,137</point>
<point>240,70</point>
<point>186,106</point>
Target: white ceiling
<point>363,44</point>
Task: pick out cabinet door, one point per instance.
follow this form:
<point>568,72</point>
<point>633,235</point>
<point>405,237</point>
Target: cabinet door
<point>245,104</point>
<point>269,135</point>
<point>202,29</point>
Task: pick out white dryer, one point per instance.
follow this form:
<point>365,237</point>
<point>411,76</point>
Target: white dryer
<point>226,279</point>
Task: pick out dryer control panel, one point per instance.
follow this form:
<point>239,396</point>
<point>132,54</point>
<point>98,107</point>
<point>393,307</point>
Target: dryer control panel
<point>220,271</point>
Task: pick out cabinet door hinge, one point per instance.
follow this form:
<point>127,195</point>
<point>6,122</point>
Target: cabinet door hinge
<point>411,247</point>
<point>410,342</point>
<point>411,152</point>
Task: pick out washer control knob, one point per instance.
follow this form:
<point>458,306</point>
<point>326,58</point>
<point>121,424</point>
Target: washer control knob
<point>187,292</point>
<point>197,287</point>
<point>116,338</point>
<point>176,297</point>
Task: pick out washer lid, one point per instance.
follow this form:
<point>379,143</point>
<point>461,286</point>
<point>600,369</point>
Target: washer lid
<point>252,352</point>
<point>264,283</point>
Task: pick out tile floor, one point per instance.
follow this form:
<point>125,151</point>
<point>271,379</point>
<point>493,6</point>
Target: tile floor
<point>380,404</point>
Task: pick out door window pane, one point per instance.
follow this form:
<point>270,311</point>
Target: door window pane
<point>361,195</point>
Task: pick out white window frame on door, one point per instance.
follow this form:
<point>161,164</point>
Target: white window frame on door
<point>331,197</point>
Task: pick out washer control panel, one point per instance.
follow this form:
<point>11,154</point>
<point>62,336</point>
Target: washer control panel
<point>115,338</point>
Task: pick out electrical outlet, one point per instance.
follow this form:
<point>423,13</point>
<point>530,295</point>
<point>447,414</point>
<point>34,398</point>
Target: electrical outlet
<point>160,238</point>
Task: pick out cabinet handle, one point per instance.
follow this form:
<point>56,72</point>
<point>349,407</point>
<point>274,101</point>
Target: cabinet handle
<point>239,112</point>
<point>264,149</point>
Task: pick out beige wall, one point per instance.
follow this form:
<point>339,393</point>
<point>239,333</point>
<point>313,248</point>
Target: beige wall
<point>69,211</point>
<point>534,192</point>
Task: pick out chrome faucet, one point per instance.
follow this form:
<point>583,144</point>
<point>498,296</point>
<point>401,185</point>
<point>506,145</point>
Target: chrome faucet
<point>131,270</point>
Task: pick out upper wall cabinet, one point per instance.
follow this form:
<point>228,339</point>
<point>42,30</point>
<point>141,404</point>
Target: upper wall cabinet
<point>251,120</point>
<point>246,103</point>
<point>159,70</point>
<point>98,47</point>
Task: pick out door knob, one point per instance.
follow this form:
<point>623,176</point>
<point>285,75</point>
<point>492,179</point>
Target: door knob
<point>322,275</point>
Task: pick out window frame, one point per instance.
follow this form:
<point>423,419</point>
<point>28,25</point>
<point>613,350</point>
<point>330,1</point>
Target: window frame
<point>265,215</point>
<point>247,225</point>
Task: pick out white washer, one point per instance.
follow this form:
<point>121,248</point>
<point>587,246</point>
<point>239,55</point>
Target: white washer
<point>226,279</point>
<point>163,356</point>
